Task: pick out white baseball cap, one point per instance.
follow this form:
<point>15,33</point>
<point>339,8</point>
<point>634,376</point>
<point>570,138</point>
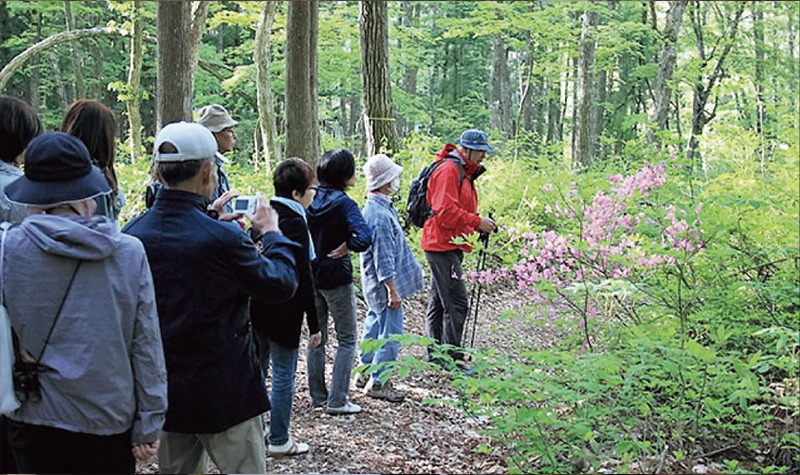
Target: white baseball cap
<point>191,141</point>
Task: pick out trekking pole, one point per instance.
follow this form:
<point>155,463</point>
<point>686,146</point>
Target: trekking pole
<point>475,295</point>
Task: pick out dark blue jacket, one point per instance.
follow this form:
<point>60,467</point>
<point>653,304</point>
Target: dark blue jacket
<point>283,322</point>
<point>334,218</point>
<point>205,272</point>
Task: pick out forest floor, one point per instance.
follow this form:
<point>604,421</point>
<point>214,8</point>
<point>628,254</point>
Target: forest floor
<point>409,437</point>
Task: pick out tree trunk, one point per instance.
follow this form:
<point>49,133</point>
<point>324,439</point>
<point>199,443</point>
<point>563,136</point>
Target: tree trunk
<point>266,112</point>
<point>174,76</point>
<point>666,65</point>
<point>75,53</point>
<point>355,113</point>
<point>581,128</point>
<point>598,111</point>
<point>411,12</point>
<point>134,80</point>
<point>61,90</point>
<point>703,88</point>
<point>792,62</point>
<point>554,124</point>
<point>499,95</point>
<point>36,71</point>
<point>379,130</point>
<point>199,14</point>
<point>302,128</point>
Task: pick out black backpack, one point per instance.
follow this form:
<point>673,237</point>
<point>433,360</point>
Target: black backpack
<point>417,208</point>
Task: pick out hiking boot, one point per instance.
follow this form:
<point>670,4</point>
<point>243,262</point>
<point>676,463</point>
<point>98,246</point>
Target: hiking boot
<point>386,392</point>
<point>362,379</point>
<point>347,408</point>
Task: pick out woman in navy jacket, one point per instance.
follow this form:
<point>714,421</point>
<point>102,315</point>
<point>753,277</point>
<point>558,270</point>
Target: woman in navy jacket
<point>337,227</point>
<point>277,326</point>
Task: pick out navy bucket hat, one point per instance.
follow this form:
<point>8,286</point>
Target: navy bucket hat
<point>58,170</point>
<point>475,139</point>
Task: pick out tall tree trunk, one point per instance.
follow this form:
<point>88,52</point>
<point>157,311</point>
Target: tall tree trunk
<point>499,94</point>
<point>411,12</point>
<point>666,66</point>
<point>758,37</point>
<point>61,90</point>
<point>581,129</point>
<point>302,128</point>
<point>379,130</point>
<point>99,90</point>
<point>598,111</point>
<point>133,95</point>
<point>75,53</point>
<point>174,78</point>
<point>554,124</point>
<point>703,87</point>
<point>266,112</point>
<point>199,14</point>
<point>355,113</point>
<point>792,61</point>
<point>36,71</point>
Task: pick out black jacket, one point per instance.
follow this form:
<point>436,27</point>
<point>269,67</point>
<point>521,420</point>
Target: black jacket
<point>205,272</point>
<point>282,322</point>
<point>335,218</point>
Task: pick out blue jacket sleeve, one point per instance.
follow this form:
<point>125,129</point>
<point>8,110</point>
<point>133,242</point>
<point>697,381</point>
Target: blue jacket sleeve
<point>360,233</point>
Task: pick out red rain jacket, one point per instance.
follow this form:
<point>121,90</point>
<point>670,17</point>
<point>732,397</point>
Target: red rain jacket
<point>454,203</point>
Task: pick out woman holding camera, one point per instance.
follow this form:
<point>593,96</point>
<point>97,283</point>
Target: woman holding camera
<point>277,326</point>
<point>89,368</point>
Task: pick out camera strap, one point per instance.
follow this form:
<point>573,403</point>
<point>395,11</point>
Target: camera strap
<point>58,312</point>
<point>17,351</point>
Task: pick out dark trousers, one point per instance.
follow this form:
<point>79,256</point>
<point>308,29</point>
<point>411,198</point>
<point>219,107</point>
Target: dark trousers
<point>40,449</point>
<point>7,463</point>
<point>447,301</point>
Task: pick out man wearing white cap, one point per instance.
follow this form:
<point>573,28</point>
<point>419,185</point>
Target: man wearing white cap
<point>215,118</point>
<point>205,273</point>
<point>389,273</point>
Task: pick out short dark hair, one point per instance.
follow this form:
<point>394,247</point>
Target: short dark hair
<point>292,174</point>
<point>174,173</point>
<point>95,125</point>
<point>19,124</point>
<point>336,167</point>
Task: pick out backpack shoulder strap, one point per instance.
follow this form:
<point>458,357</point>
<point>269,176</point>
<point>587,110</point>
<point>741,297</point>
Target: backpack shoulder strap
<point>460,167</point>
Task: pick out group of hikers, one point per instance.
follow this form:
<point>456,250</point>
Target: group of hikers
<point>159,338</point>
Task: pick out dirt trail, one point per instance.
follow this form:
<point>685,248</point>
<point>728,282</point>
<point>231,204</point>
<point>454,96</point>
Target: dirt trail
<point>410,437</point>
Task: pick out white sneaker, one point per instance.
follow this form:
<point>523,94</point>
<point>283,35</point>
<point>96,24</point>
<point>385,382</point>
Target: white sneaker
<point>289,447</point>
<point>347,408</point>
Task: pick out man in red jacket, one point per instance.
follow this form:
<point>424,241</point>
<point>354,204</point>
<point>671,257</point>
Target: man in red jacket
<point>454,202</point>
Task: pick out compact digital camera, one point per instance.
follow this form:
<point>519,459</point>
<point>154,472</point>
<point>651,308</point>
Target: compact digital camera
<point>244,205</point>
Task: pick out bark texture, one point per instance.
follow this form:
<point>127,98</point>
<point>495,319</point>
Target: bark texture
<point>302,126</point>
<point>379,120</point>
<point>174,79</point>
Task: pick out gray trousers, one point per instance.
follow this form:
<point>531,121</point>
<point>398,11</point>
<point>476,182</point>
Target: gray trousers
<point>339,304</point>
<point>447,301</point>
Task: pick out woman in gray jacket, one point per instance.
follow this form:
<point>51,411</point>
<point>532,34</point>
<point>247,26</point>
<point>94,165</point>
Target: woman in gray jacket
<point>80,298</point>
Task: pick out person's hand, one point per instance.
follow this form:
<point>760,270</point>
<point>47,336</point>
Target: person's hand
<point>314,340</point>
<point>486,225</point>
<point>394,298</point>
<point>219,206</point>
<point>144,452</point>
<point>265,218</point>
<point>340,251</point>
